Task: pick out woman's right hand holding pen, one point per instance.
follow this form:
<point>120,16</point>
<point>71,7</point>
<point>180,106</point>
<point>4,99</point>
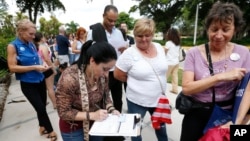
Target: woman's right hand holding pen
<point>102,114</point>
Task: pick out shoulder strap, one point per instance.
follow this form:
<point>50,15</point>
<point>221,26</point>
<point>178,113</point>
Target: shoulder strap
<point>85,103</point>
<point>182,54</point>
<point>210,68</point>
<point>209,59</point>
<point>98,32</point>
<point>163,92</point>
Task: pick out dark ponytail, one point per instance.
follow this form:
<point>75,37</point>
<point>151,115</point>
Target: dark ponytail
<point>83,60</point>
<point>102,52</point>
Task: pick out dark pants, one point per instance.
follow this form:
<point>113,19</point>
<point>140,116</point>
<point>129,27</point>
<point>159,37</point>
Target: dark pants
<point>115,87</point>
<point>114,138</point>
<point>125,86</point>
<point>37,96</point>
<point>193,124</point>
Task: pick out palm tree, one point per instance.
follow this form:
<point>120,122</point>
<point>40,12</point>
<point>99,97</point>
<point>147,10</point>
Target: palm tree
<point>72,27</point>
<point>35,7</point>
<point>49,27</point>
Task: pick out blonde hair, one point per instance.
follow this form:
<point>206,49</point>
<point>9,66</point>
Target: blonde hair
<point>144,25</point>
<point>24,25</point>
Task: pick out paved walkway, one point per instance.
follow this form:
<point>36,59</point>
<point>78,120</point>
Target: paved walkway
<point>19,120</point>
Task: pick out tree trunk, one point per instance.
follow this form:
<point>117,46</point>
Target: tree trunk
<point>30,14</point>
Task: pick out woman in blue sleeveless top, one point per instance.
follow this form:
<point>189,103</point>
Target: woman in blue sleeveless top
<point>24,61</point>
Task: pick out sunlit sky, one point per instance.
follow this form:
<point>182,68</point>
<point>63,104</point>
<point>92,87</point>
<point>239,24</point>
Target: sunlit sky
<point>82,12</point>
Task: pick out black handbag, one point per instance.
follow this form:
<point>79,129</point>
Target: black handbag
<point>185,103</point>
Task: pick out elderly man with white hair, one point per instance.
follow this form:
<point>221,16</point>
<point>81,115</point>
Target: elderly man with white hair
<point>63,45</point>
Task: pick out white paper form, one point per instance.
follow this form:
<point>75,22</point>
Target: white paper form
<point>114,125</point>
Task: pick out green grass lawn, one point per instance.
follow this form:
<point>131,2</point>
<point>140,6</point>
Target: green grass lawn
<point>179,77</point>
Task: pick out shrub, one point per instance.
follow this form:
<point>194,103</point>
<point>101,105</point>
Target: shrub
<point>188,41</point>
<point>3,46</point>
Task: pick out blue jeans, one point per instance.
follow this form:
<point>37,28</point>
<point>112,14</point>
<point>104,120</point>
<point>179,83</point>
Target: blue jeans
<point>161,134</point>
<point>71,58</point>
<point>78,136</point>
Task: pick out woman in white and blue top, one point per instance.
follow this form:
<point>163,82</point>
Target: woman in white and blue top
<point>79,41</point>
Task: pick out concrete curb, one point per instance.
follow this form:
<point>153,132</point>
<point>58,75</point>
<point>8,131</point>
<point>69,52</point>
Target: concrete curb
<point>4,86</point>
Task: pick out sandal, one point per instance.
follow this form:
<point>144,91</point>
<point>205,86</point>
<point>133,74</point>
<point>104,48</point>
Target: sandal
<point>42,131</point>
<point>52,136</point>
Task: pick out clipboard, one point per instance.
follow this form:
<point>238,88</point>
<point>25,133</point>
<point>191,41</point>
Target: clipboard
<point>114,125</point>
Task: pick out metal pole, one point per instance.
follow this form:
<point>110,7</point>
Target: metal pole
<point>111,2</point>
<point>196,23</point>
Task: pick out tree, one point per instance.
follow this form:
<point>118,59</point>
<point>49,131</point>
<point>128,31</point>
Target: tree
<point>111,1</point>
<point>71,27</point>
<point>3,13</point>
<point>35,7</point>
<point>244,6</point>
<point>3,9</point>
<point>124,18</point>
<point>163,12</point>
<point>8,24</point>
<point>19,16</point>
<point>205,5</point>
<point>184,11</point>
<point>8,27</point>
<point>49,27</point>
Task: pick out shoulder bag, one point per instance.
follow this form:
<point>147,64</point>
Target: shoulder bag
<point>162,112</point>
<point>182,54</point>
<point>185,103</point>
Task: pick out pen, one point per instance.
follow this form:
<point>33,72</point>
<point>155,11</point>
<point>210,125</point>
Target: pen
<point>136,120</point>
<point>119,126</point>
<point>97,106</point>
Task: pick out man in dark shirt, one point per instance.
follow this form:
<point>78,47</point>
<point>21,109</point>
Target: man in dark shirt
<point>63,46</point>
<point>130,38</point>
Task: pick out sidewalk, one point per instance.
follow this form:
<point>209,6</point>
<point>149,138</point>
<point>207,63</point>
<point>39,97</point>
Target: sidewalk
<point>19,121</point>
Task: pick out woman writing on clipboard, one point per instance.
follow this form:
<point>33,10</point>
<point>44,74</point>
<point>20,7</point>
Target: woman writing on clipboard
<point>83,89</point>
